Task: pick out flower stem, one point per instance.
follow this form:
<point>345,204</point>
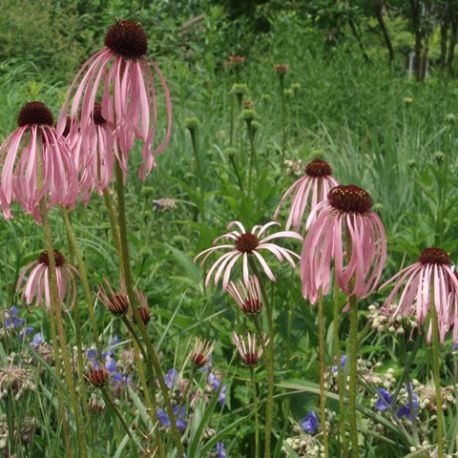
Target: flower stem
<point>321,341</point>
<point>75,249</point>
<point>353,375</point>
<point>340,373</point>
<point>256,414</point>
<point>116,411</point>
<point>55,306</point>
<point>283,115</point>
<point>152,356</point>
<point>112,216</point>
<point>437,381</point>
<point>253,159</point>
<point>199,173</point>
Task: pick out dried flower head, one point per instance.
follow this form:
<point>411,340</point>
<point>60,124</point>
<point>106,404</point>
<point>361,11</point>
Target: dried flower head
<point>201,352</point>
<point>248,297</point>
<point>116,302</point>
<point>98,377</point>
<point>281,69</point>
<point>15,380</point>
<point>247,348</point>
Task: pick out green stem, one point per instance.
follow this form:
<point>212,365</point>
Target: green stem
<point>253,158</point>
<point>353,375</point>
<point>231,127</point>
<point>75,249</point>
<point>437,381</point>
<point>152,356</point>
<point>340,373</point>
<point>112,216</point>
<point>321,343</point>
<point>283,116</point>
<point>256,413</point>
<point>115,409</point>
<point>55,307</point>
<point>200,176</point>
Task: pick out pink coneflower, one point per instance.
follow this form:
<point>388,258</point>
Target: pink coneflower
<point>428,282</point>
<point>247,348</point>
<point>249,297</point>
<point>345,221</point>
<point>125,79</point>
<point>244,244</point>
<point>308,191</point>
<point>116,302</point>
<point>36,288</point>
<point>36,164</point>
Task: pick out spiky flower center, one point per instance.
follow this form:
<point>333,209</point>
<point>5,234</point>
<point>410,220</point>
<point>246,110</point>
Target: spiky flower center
<point>350,198</point>
<point>318,168</point>
<point>252,306</point>
<point>119,304</point>
<point>58,258</point>
<point>35,113</point>
<point>68,126</point>
<point>246,243</point>
<point>145,314</point>
<point>97,115</point>
<point>434,256</point>
<point>199,359</point>
<point>98,377</point>
<point>251,358</point>
<point>127,39</point>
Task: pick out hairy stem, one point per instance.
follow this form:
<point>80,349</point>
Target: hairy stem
<point>437,381</point>
<point>321,344</point>
<point>152,356</point>
<point>55,307</point>
<point>256,413</point>
<point>353,375</point>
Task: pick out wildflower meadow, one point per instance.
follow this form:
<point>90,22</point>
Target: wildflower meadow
<point>228,229</point>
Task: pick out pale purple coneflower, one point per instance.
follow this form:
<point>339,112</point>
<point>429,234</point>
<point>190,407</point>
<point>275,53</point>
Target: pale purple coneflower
<point>124,77</point>
<point>308,191</point>
<point>345,221</point>
<point>35,288</point>
<point>248,297</point>
<point>244,244</point>
<point>248,349</point>
<point>36,164</point>
<point>430,282</point>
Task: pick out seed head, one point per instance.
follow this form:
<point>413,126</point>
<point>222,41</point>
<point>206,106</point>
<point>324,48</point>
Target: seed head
<point>58,258</point>
<point>35,113</point>
<point>127,39</point>
<point>434,256</point>
<point>145,314</point>
<point>281,69</point>
<point>247,243</point>
<point>98,377</point>
<point>318,168</point>
<point>350,198</point>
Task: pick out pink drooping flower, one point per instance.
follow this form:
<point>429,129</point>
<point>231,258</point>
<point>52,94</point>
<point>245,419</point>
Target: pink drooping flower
<point>34,281</point>
<point>430,282</point>
<point>248,297</point>
<point>308,191</point>
<point>36,164</point>
<point>349,235</point>
<point>242,245</point>
<point>124,79</point>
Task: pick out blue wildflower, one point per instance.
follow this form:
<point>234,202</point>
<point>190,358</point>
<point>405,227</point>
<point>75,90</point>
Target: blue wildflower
<point>454,346</point>
<point>309,423</point>
<point>37,340</point>
<point>410,410</point>
<point>220,450</point>
<point>25,332</point>
<point>343,362</point>
<point>215,384</point>
<point>171,378</point>
<point>180,415</point>
<point>384,401</point>
<point>12,321</point>
<point>110,364</point>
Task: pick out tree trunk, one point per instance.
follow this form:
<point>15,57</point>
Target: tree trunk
<point>378,9</point>
<point>444,37</point>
